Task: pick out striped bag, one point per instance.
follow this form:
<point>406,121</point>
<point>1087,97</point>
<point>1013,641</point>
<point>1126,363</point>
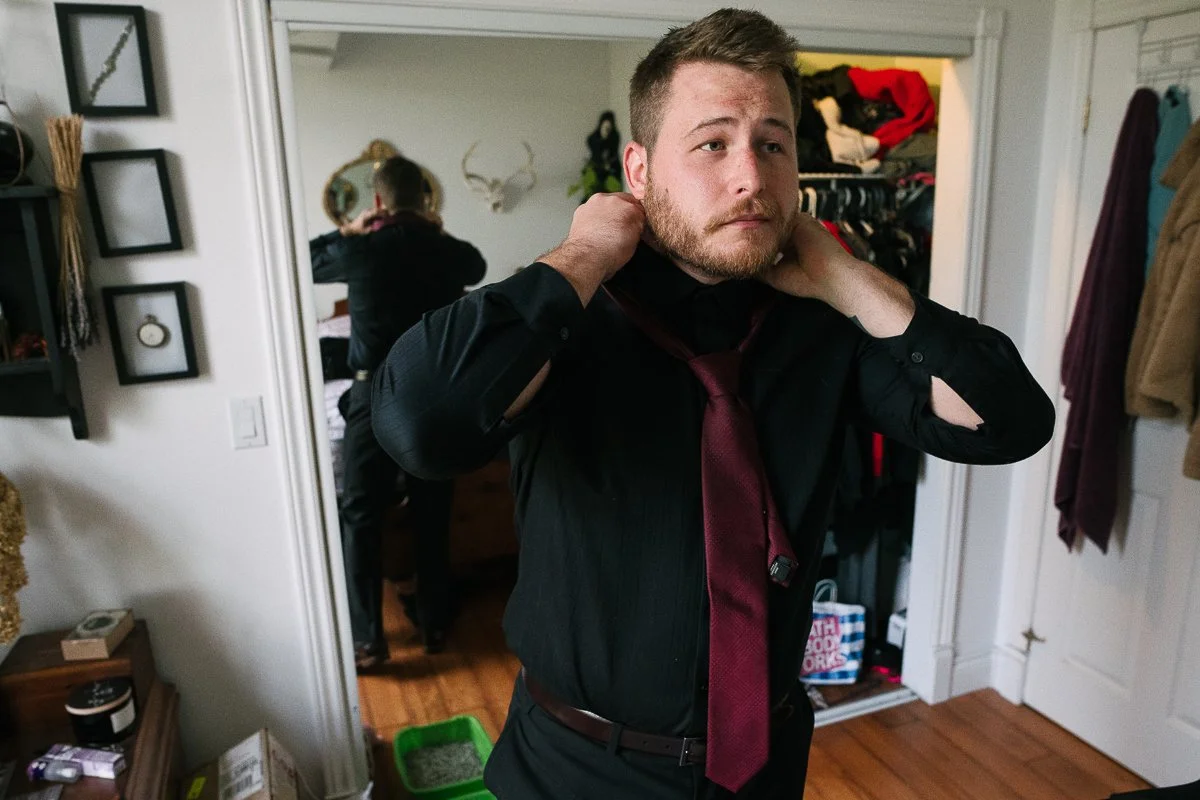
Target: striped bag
<point>836,640</point>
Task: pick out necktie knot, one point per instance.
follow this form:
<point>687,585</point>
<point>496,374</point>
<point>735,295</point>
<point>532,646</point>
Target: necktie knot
<point>719,372</point>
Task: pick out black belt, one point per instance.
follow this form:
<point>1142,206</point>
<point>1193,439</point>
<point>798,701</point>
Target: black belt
<point>686,750</point>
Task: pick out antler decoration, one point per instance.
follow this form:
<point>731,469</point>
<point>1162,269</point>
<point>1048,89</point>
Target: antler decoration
<point>494,190</point>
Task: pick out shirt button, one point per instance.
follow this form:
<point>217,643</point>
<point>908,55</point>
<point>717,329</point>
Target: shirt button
<point>917,358</point>
<point>564,334</point>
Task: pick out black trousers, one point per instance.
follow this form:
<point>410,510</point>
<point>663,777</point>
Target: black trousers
<point>368,490</point>
<point>538,758</point>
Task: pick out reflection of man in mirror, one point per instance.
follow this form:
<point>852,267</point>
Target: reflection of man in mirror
<point>399,264</point>
<point>674,382</point>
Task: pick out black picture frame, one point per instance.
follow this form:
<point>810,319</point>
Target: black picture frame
<point>111,237</point>
<point>81,98</point>
<point>170,301</point>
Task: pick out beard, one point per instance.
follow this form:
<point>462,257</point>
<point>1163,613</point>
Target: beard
<point>752,253</point>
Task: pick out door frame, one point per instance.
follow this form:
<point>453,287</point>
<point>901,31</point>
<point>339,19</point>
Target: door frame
<point>970,34</point>
<point>1032,518</point>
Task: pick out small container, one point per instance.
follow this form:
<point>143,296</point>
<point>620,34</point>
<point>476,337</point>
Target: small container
<point>46,769</point>
<point>102,712</point>
<point>463,728</point>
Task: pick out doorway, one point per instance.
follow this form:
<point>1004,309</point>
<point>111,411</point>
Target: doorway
<point>967,104</point>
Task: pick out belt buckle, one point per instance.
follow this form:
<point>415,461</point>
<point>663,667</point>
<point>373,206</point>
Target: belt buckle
<point>686,750</point>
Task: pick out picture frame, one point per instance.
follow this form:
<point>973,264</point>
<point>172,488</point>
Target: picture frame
<point>106,57</point>
<point>151,332</point>
<point>130,200</point>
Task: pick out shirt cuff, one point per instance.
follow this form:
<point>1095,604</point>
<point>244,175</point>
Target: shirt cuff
<point>546,301</point>
<point>932,338</point>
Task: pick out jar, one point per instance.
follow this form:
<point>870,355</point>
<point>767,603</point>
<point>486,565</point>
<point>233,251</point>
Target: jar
<point>102,712</point>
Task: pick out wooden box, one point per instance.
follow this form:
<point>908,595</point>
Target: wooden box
<point>98,635</point>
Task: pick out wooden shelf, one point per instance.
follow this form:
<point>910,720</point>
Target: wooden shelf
<point>25,367</point>
<point>29,286</point>
<point>26,192</point>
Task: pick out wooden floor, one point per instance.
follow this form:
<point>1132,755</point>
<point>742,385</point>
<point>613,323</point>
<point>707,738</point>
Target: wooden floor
<point>977,746</point>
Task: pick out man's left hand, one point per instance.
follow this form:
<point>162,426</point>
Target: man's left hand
<point>815,265</point>
<point>360,224</point>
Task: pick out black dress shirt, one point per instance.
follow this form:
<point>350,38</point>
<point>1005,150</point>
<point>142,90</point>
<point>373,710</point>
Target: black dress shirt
<point>395,274</point>
<point>610,606</point>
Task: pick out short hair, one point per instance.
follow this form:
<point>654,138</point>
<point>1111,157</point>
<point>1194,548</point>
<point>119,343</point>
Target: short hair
<point>399,184</point>
<point>746,39</point>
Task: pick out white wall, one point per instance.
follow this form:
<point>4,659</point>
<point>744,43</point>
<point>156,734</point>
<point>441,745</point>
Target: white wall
<point>156,510</point>
<point>623,58</point>
<point>431,97</point>
<point>1023,79</point>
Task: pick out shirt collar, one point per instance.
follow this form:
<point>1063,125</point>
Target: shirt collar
<point>656,281</point>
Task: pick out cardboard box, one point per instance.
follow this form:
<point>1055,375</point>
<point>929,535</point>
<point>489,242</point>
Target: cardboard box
<point>257,769</point>
<point>98,635</point>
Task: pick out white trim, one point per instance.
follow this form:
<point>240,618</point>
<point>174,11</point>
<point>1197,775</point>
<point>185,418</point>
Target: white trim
<point>1110,13</point>
<point>909,28</point>
<point>929,650</point>
<point>860,708</point>
<point>1047,315</point>
<point>628,18</point>
<point>1008,672</point>
<point>315,15</point>
<point>338,735</point>
<point>971,674</point>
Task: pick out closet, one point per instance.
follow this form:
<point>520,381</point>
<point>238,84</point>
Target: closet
<point>867,152</point>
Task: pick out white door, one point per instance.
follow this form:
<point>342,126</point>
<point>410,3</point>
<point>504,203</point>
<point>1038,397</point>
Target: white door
<point>1120,664</point>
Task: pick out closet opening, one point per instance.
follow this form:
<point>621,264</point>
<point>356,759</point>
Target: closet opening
<point>867,146</point>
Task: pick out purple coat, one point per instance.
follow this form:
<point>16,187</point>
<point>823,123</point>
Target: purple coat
<point>1093,366</point>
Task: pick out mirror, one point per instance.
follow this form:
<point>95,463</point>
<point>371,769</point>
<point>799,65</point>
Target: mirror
<point>349,190</point>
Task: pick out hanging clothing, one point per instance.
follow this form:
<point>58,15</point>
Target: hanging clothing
<point>1097,345</point>
<point>908,91</point>
<point>1174,119</point>
<point>1161,377</point>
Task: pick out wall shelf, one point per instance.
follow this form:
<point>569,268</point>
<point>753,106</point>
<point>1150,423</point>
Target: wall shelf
<point>24,367</point>
<point>29,269</point>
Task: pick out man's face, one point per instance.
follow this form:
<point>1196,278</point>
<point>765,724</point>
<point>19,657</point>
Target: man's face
<point>719,188</point>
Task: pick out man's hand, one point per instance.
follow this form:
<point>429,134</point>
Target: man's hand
<point>816,265</point>
<point>603,237</point>
<point>359,225</point>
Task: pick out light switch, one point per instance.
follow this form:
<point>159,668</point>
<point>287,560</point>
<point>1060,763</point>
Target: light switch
<point>246,420</point>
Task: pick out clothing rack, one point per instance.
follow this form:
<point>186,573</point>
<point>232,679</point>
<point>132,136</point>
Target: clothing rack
<point>838,176</point>
<point>1156,59</point>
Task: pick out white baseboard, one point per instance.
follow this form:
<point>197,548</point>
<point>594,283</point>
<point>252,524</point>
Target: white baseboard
<point>971,674</point>
<point>859,708</point>
<point>1008,672</point>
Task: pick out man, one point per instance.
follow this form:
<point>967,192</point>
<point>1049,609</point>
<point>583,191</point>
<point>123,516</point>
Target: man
<point>667,558</point>
<point>399,264</point>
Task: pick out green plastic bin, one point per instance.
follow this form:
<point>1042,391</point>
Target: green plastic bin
<point>463,728</point>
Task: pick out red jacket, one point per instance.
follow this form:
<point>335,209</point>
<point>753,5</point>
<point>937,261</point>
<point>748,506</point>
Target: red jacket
<point>908,91</point>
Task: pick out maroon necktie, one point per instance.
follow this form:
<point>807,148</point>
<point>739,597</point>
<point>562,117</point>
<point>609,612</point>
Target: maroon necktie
<point>744,545</point>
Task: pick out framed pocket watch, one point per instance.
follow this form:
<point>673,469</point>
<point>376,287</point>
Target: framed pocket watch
<point>151,332</point>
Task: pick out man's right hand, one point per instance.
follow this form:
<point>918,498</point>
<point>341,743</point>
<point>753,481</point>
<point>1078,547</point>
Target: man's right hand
<point>604,235</point>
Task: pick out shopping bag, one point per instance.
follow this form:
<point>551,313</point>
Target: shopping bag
<point>835,642</point>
